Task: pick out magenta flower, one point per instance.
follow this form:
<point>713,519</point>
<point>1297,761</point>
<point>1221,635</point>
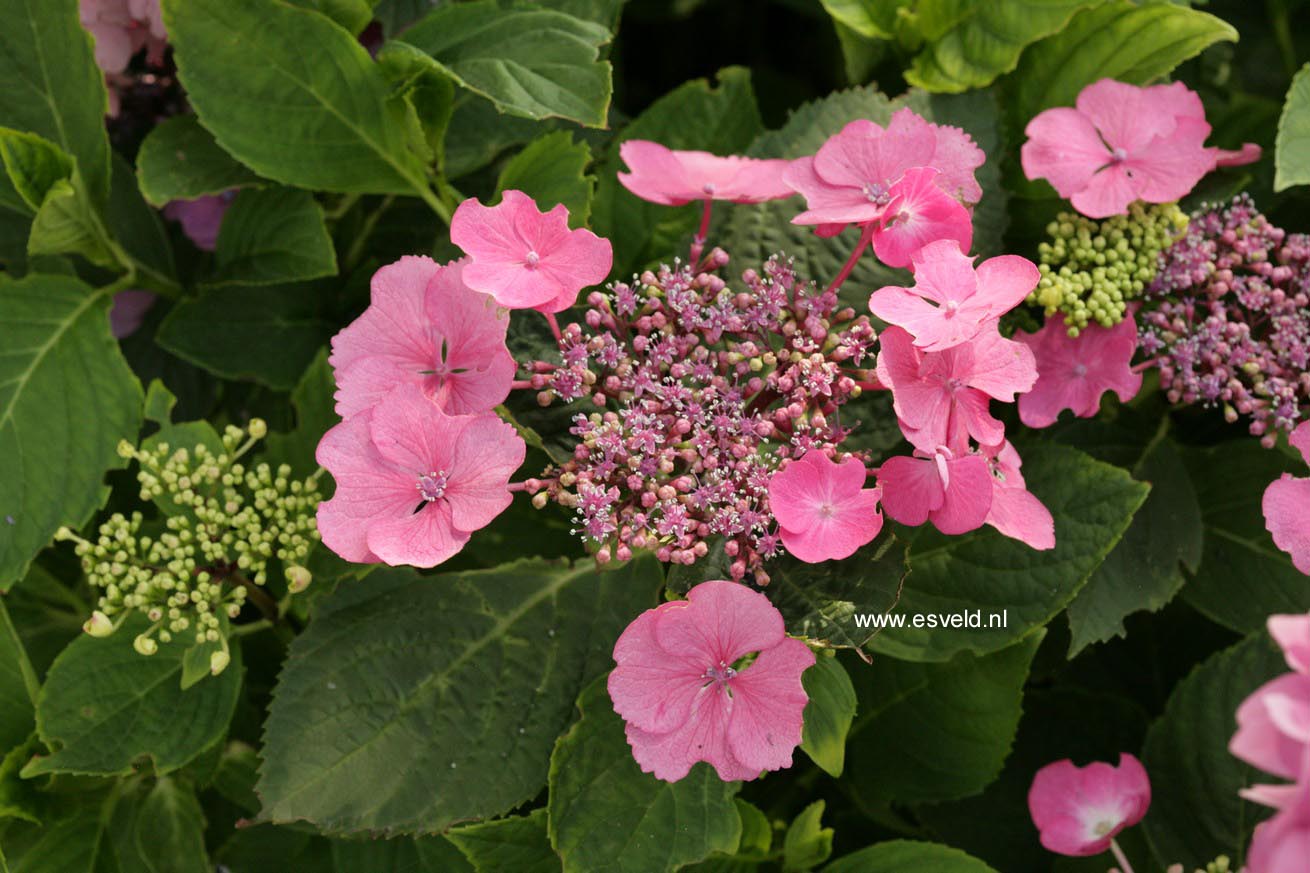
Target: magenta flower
<point>1286,507</point>
<point>122,28</point>
<point>1080,810</point>
<point>1016,511</point>
<point>673,178</point>
<point>1073,372</point>
<point>1282,844</point>
<point>526,258</point>
<point>951,302</point>
<point>953,490</point>
<point>1123,143</point>
<point>424,326</point>
<point>823,509</point>
<point>201,218</point>
<point>413,482</point>
<point>685,697</point>
<point>128,311</point>
<point>941,398</point>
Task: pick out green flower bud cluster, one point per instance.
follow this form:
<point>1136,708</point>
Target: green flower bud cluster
<point>223,524</point>
<point>1219,865</point>
<point>1091,269</point>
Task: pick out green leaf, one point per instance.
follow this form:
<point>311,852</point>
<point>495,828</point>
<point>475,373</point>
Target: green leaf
<point>1196,813</point>
<point>604,12</point>
<point>66,399</point>
<point>50,84</point>
<point>519,843</point>
<point>18,686</point>
<point>904,856</point>
<point>69,843</point>
<point>807,843</point>
<point>33,166</point>
<point>266,334</point>
<point>531,62</point>
<point>606,814</point>
<point>696,115</point>
<point>872,19</point>
<point>1117,40</point>
<point>1292,149</point>
<point>272,236</point>
<point>236,774</point>
<point>315,406</point>
<point>551,170</point>
<point>971,42</point>
<point>296,98</point>
<point>483,668</point>
<point>1007,587</point>
<point>433,855</point>
<point>179,160</point>
<point>170,830</point>
<point>67,224</point>
<point>103,706</point>
<point>829,713</point>
<point>820,601</point>
<point>353,15</point>
<point>910,744</point>
<point>477,133</point>
<point>1230,481</point>
<point>1144,571</point>
<point>140,234</point>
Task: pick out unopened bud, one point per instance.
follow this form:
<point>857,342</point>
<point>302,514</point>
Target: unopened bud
<point>145,646</point>
<point>98,625</point>
<point>218,662</point>
<point>258,428</point>
<point>298,578</point>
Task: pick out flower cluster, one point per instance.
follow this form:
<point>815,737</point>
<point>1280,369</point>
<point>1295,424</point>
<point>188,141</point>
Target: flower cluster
<point>1229,318</point>
<point>122,29</point>
<point>1273,735</point>
<point>225,526</point>
<point>1092,269</point>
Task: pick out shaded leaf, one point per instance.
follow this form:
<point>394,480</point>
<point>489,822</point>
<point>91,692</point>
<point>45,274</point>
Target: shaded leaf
<point>179,160</point>
<point>271,236</point>
<point>828,715</point>
<point>1292,150</point>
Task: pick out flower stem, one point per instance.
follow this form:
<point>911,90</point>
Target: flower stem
<point>1146,365</point>
<point>698,241</point>
<point>1120,858</point>
<point>865,237</point>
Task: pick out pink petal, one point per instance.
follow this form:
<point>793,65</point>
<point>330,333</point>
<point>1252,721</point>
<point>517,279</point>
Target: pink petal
<point>1073,372</point>
<point>768,702</point>
<point>368,487</point>
<point>1261,739</point>
<point>1300,440</point>
<point>1079,810</point>
<point>865,154</point>
<point>656,175</point>
<point>424,538</point>
<point>852,524</point>
<point>652,689</point>
<point>1286,506</point>
<point>827,204</point>
<point>725,621</point>
<point>1019,515</point>
<point>128,311</point>
<point>702,737</point>
<point>1282,844</point>
<point>1064,148</point>
<point>1167,169</point>
<point>1109,192</point>
<point>485,454</point>
<point>968,496</point>
<point>999,367</point>
<point>1292,633</point>
<point>412,432</point>
<point>1005,281</point>
<point>1129,116</point>
<point>919,214</point>
<point>394,324</point>
<point>911,489</point>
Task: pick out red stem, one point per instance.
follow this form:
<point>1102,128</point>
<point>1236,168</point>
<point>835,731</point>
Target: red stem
<point>698,241</point>
<point>865,237</point>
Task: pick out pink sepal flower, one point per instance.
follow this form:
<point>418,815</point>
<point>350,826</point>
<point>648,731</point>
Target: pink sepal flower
<point>201,218</point>
<point>426,327</point>
<point>413,483</point>
<point>942,397</point>
<point>677,687</point>
<point>1016,511</point>
<point>919,213</point>
<point>952,490</point>
<point>1073,372</point>
<point>823,509</point>
<point>951,301</point>
<point>672,178</point>
<point>1273,726</point>
<point>128,311</point>
<point>1286,506</point>
<point>1123,143</point>
<point>1292,633</point>
<point>1080,810</point>
<point>526,258</point>
<point>122,28</point>
<point>1282,844</point>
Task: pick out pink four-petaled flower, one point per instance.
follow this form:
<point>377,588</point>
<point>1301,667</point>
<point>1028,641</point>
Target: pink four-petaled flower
<point>424,326</point>
<point>823,509</point>
<point>951,489</point>
<point>686,697</point>
<point>673,178</point>
<point>1080,810</point>
<point>412,482</point>
<point>1286,507</point>
<point>951,302</point>
<point>1073,372</point>
<point>525,258</point>
<point>1122,143</point>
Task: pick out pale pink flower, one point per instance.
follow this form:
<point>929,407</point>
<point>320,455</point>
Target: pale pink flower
<point>1073,372</point>
<point>526,258</point>
<point>1286,507</point>
<point>951,301</point>
<point>412,482</point>
<point>128,311</point>
<point>1292,633</point>
<point>823,509</point>
<point>953,490</point>
<point>424,326</point>
<point>673,178</point>
<point>685,698</point>
<point>201,218</point>
<point>1123,143</point>
<point>122,28</point>
<point>941,398</point>
<point>1016,511</point>
<point>1080,810</point>
<point>1282,844</point>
